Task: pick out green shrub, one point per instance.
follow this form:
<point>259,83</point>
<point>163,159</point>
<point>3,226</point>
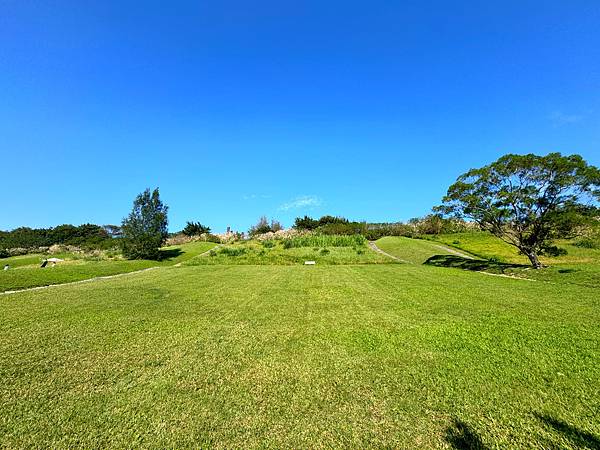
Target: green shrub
<point>268,244</point>
<point>213,238</point>
<point>322,240</point>
<point>233,251</point>
<point>588,243</point>
<point>195,229</point>
<point>324,251</point>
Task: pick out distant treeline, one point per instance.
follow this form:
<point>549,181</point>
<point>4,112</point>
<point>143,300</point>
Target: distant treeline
<point>431,224</point>
<point>87,236</point>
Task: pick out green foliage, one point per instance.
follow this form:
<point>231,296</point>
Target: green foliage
<point>261,227</point>
<point>308,223</point>
<point>588,242</point>
<point>524,199</point>
<point>343,228</point>
<point>268,244</point>
<point>25,271</point>
<point>305,223</point>
<point>87,236</point>
<point>321,240</point>
<point>233,251</point>
<point>145,229</point>
<point>276,226</point>
<point>213,238</point>
<point>195,229</point>
<point>255,253</point>
<point>327,220</point>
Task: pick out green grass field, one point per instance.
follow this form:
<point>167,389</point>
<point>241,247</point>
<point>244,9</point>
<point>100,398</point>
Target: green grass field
<point>279,355</point>
<point>25,270</point>
<point>415,251</point>
<point>579,266</point>
<point>255,253</point>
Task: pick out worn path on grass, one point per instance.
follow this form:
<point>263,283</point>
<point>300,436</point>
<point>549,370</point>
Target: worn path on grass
<point>378,250</point>
<point>106,277</point>
<point>87,280</point>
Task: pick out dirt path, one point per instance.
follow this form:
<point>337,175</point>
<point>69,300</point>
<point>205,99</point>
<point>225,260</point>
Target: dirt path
<point>378,250</point>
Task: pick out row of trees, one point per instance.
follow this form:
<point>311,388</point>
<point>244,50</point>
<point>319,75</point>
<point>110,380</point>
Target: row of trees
<point>85,236</point>
<point>430,224</point>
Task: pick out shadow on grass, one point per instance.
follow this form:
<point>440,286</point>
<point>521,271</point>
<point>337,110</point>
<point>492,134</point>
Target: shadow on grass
<point>461,436</point>
<point>578,437</point>
<point>471,264</point>
<point>171,253</point>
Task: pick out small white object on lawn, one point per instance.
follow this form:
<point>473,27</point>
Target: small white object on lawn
<point>309,263</point>
<point>54,260</point>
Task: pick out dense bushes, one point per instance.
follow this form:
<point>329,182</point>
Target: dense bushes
<point>195,229</point>
<point>431,224</point>
<point>323,240</point>
<point>588,242</point>
<point>86,236</point>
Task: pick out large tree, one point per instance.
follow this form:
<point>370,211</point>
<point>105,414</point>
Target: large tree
<point>145,229</point>
<point>526,200</point>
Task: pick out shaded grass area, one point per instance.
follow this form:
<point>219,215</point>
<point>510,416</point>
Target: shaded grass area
<point>276,253</point>
<point>26,273</point>
<point>416,251</point>
<point>579,266</point>
<point>394,355</point>
<point>478,265</point>
<point>481,244</point>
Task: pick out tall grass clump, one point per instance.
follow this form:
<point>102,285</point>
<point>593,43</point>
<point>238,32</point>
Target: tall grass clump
<point>322,240</point>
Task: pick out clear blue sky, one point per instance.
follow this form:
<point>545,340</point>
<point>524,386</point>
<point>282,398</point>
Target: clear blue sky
<point>237,108</point>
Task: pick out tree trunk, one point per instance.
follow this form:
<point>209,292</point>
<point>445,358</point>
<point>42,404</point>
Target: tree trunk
<point>533,257</point>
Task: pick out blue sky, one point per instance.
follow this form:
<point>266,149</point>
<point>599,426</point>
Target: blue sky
<point>237,109</point>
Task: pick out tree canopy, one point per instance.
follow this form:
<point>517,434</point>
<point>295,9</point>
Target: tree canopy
<point>195,229</point>
<point>145,229</point>
<point>526,200</point>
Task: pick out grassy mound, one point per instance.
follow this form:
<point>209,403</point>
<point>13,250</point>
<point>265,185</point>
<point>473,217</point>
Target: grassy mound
<point>278,253</point>
<point>25,271</point>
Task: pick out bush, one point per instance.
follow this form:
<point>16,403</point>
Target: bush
<point>213,238</point>
<point>261,227</point>
<point>321,240</point>
<point>195,229</point>
<point>233,251</point>
<point>268,244</point>
<point>305,223</point>
<point>324,251</point>
<point>588,242</point>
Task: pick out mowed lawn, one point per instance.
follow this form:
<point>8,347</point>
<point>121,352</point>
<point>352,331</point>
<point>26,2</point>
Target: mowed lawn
<point>381,355</point>
<point>26,273</point>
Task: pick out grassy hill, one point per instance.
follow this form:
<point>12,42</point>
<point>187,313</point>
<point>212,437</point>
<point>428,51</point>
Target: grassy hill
<point>220,352</point>
<point>25,270</point>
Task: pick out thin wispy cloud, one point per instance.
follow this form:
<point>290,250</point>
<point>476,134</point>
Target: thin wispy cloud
<point>255,196</point>
<point>559,118</point>
<point>302,202</point>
